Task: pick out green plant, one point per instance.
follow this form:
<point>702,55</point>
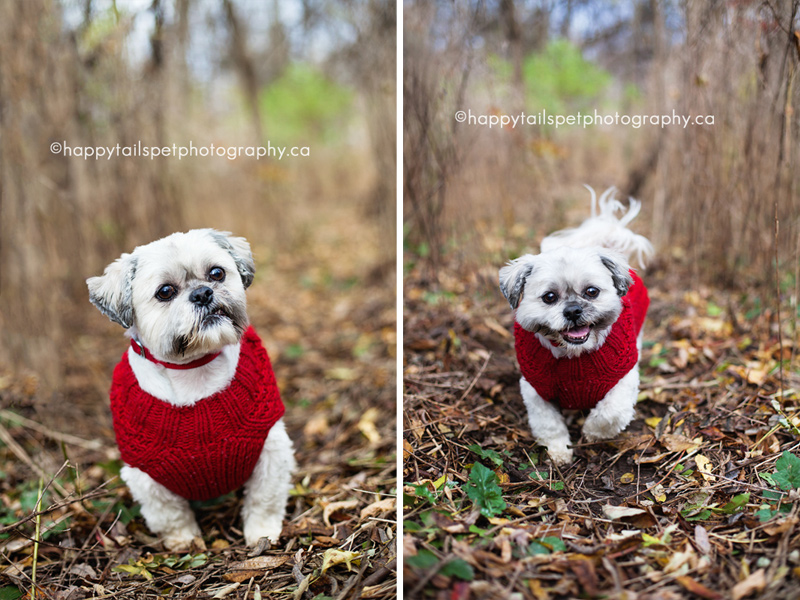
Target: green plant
<point>558,79</point>
<point>492,455</point>
<point>425,559</point>
<point>546,545</point>
<point>786,477</point>
<point>303,106</point>
<point>482,489</point>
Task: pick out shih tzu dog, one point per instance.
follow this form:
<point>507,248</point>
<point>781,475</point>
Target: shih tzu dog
<point>579,310</point>
<point>195,404</point>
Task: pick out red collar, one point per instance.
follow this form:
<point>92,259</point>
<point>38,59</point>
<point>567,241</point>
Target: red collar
<point>139,349</point>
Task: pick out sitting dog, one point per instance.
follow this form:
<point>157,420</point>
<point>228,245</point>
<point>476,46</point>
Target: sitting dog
<point>195,405</point>
<point>579,310</point>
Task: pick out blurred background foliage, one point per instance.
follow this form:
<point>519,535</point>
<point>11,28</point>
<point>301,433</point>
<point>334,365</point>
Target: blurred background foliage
<point>475,197</point>
<point>306,73</point>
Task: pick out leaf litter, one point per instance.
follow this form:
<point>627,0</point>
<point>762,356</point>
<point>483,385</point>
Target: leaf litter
<point>698,498</point>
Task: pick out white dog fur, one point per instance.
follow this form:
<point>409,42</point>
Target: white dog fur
<point>125,293</point>
<point>597,251</point>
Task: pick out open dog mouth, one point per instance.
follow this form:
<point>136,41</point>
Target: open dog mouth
<point>577,335</point>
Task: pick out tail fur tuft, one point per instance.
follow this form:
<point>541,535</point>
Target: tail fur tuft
<point>604,229</point>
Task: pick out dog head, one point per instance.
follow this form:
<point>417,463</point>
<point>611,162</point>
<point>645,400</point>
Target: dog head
<point>571,296</point>
<point>181,296</point>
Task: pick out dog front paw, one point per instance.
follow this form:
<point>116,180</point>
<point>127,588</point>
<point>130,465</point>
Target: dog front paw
<point>604,426</point>
<point>180,540</point>
<point>560,454</point>
<point>268,527</point>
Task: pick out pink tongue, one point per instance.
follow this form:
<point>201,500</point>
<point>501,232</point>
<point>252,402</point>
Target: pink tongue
<point>577,333</point>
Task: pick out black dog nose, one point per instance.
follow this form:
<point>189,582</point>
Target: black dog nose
<point>573,311</point>
<point>202,296</point>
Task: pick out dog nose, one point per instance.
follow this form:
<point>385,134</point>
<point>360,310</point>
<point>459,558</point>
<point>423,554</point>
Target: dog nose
<point>573,311</point>
<point>201,296</point>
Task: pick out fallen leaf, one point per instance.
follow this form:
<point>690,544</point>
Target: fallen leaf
<point>317,425</point>
<point>253,567</point>
<point>698,588</point>
<point>627,478</point>
<point>334,556</point>
<point>704,467</point>
<point>701,539</point>
<point>333,507</point>
<point>653,421</point>
<point>366,425</point>
<point>756,582</point>
<point>380,507</point>
<point>620,512</point>
<point>678,443</point>
<point>408,450</point>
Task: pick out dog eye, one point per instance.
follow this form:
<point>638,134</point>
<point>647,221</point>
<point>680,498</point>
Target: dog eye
<point>550,298</point>
<point>166,292</point>
<point>216,274</point>
<point>591,292</point>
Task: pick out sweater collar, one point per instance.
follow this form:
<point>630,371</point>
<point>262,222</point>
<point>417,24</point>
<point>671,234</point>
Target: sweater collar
<point>139,349</point>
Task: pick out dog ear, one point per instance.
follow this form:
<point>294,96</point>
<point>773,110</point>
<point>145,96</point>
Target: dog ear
<point>112,291</point>
<point>239,249</point>
<point>619,269</point>
<point>513,276</point>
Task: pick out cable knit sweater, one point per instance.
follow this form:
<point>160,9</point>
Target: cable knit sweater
<point>207,449</point>
<point>581,382</point>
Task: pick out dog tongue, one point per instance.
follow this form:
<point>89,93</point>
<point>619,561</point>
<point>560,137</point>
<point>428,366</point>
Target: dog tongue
<point>578,332</point>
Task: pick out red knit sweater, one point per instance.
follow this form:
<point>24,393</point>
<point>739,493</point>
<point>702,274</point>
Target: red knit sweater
<point>207,449</point>
<point>581,382</point>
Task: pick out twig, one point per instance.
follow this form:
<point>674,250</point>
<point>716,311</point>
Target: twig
<point>475,379</point>
<point>61,437</point>
<point>94,494</point>
<point>37,532</point>
<point>19,451</point>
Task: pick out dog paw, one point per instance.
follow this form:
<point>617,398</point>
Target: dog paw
<point>269,527</point>
<point>603,427</point>
<point>560,455</point>
<point>180,540</point>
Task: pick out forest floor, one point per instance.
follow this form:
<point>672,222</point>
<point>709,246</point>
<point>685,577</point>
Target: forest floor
<point>698,498</point>
<point>69,528</point>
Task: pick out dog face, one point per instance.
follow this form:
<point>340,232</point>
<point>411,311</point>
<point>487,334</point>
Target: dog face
<point>182,296</point>
<point>571,296</point>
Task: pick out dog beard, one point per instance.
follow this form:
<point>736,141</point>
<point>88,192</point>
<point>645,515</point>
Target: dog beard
<point>212,327</point>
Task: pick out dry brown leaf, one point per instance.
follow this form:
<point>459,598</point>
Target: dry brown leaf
<point>756,582</point>
<point>620,512</point>
<point>253,567</point>
<point>408,450</point>
<point>317,425</point>
<point>704,467</point>
<point>678,443</point>
<point>333,507</point>
<point>366,425</point>
<point>701,539</point>
<point>381,507</point>
<point>781,526</point>
<point>698,588</point>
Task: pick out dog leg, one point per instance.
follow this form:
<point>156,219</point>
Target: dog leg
<point>547,424</point>
<point>166,514</point>
<point>614,412</point>
<point>268,488</point>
